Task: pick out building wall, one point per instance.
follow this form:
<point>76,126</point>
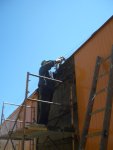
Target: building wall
<point>100,44</point>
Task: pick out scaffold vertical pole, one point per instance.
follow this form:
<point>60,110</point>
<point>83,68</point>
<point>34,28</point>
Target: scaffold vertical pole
<point>2,113</point>
<point>24,111</point>
<point>72,117</point>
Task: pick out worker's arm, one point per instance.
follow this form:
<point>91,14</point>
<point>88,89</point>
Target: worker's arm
<point>48,65</point>
<point>43,71</point>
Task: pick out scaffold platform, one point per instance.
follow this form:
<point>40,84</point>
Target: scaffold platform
<point>39,131</point>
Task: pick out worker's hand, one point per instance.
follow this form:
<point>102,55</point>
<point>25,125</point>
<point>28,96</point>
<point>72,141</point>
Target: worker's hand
<point>60,60</point>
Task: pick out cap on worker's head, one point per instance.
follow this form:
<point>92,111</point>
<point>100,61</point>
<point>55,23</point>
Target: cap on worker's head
<point>43,62</point>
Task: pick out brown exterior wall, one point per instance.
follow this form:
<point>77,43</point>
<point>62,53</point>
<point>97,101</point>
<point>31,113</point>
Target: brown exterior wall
<point>99,44</point>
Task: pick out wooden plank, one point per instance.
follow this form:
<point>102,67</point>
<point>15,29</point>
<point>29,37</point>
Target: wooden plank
<point>36,127</point>
<point>37,131</point>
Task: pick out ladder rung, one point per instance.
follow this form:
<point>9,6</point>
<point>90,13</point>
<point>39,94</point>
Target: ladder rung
<point>100,91</point>
<point>93,134</point>
<point>103,74</point>
<point>97,111</point>
<point>105,59</point>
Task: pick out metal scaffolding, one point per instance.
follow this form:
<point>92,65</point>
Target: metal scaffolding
<point>30,132</point>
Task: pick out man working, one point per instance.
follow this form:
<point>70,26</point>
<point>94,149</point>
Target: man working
<point>46,88</point>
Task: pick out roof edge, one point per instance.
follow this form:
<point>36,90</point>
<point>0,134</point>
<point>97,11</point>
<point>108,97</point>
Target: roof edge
<point>91,36</point>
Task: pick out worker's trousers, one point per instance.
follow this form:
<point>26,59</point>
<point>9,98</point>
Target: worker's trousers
<point>45,94</point>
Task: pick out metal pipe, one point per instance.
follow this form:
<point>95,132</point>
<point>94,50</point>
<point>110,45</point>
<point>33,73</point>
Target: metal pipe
<point>44,101</point>
<point>16,104</point>
<point>24,112</point>
<point>45,78</point>
<point>13,120</point>
<point>2,113</point>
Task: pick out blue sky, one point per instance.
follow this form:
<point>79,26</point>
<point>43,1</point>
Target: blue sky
<point>34,30</point>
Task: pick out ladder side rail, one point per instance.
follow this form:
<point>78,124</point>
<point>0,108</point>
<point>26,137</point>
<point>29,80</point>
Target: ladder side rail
<point>107,115</point>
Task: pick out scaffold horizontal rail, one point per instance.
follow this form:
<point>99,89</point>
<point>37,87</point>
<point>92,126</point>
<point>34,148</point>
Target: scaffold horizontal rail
<point>13,120</point>
<point>38,100</point>
<point>45,77</point>
<point>16,104</point>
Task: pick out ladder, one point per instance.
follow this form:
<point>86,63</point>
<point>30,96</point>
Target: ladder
<point>104,133</point>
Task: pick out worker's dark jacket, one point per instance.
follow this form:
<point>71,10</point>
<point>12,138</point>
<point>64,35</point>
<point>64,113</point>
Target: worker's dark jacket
<point>44,71</point>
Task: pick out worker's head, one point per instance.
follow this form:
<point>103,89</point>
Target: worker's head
<point>43,62</point>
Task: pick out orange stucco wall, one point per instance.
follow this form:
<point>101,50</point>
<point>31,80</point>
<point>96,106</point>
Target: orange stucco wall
<point>100,44</point>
